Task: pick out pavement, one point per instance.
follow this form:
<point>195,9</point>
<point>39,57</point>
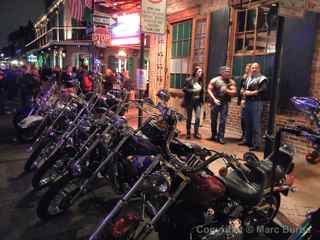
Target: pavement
<point>18,218</point>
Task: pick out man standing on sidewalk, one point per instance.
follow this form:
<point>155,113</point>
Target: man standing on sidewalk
<point>220,90</point>
<point>255,94</point>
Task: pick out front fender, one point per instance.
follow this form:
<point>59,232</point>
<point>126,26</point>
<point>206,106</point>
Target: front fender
<point>30,121</point>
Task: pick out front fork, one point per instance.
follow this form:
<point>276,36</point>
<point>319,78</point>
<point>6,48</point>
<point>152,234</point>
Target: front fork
<point>87,182</point>
<point>148,227</point>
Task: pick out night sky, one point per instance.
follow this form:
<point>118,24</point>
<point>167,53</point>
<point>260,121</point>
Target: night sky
<point>14,13</point>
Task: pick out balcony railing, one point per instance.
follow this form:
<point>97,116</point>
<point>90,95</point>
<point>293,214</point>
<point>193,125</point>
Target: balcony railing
<point>60,35</point>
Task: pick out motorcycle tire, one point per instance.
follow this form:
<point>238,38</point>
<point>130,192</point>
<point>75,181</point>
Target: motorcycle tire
<point>43,209</point>
<point>26,135</point>
<point>39,181</point>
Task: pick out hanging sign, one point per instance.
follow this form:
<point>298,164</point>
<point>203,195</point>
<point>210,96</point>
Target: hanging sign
<point>104,20</point>
<point>313,5</point>
<point>153,16</point>
<point>101,37</point>
<point>291,8</point>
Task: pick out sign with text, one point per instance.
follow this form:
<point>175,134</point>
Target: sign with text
<point>291,8</point>
<point>313,5</point>
<point>101,37</point>
<point>153,15</point>
<point>104,20</point>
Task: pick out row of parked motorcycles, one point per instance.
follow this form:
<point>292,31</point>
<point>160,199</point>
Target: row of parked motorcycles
<point>84,143</point>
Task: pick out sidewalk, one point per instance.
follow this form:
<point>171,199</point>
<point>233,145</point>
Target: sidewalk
<point>294,207</point>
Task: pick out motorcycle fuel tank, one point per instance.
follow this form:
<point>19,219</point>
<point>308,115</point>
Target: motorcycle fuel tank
<point>206,188</point>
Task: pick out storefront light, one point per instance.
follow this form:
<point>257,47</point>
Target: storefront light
<point>14,62</point>
<point>125,41</point>
<point>122,53</point>
<point>127,30</point>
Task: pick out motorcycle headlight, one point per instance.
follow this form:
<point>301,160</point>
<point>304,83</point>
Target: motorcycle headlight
<point>106,138</point>
<point>159,181</point>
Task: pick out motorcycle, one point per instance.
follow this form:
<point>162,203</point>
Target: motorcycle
<point>61,116</point>
<point>27,120</point>
<point>79,141</point>
<point>121,167</point>
<point>178,194</point>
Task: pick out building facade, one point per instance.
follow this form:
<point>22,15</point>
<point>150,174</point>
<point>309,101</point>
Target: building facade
<point>60,39</point>
<point>212,33</point>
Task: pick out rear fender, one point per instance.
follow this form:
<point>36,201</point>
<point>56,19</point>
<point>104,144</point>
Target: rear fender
<point>30,121</point>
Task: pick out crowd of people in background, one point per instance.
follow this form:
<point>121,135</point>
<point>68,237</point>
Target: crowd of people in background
<point>22,84</point>
<point>221,89</point>
<point>25,82</point>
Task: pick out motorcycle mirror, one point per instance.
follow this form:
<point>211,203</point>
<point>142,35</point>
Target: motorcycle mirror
<point>223,171</point>
<point>163,95</point>
<point>313,157</point>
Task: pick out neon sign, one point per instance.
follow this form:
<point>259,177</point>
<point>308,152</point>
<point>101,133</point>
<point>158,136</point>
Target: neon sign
<point>127,30</point>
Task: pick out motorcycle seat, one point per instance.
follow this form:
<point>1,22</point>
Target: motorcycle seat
<point>266,166</point>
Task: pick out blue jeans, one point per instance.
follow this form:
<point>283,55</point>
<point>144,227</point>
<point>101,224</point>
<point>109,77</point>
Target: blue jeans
<point>253,122</point>
<point>223,111</point>
<point>196,107</point>
<point>243,122</point>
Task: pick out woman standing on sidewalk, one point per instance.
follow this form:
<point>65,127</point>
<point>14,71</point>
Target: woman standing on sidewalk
<point>193,97</point>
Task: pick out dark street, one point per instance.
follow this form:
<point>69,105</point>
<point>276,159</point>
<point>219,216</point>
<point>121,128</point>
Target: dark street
<point>18,201</point>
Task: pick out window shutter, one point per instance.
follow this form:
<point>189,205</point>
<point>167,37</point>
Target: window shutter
<point>298,45</point>
<point>218,45</point>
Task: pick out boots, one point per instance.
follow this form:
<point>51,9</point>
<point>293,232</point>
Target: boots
<point>196,133</point>
<point>188,134</point>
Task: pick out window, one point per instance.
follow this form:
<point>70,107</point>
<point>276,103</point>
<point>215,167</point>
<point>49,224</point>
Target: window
<point>200,40</point>
<point>256,30</point>
<point>180,53</point>
<point>181,39</point>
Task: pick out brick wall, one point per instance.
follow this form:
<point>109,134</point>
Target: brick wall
<point>291,118</point>
<point>233,124</point>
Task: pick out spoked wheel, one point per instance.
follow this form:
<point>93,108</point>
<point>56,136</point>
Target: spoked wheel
<point>59,198</point>
<point>51,169</point>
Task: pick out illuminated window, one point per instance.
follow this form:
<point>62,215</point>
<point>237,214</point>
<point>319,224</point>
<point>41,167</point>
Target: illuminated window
<point>180,53</point>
